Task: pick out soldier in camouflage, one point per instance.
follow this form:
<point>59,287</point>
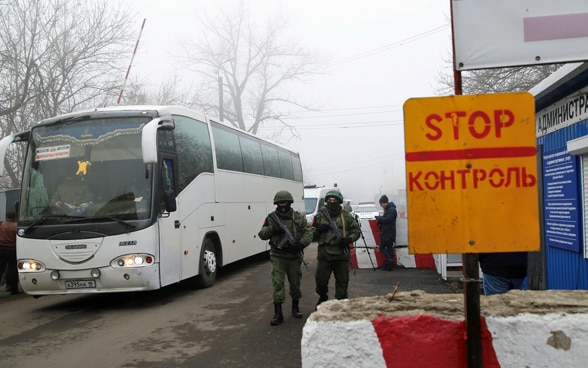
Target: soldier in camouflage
<point>333,250</point>
<point>286,258</point>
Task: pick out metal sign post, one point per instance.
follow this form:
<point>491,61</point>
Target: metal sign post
<point>470,170</point>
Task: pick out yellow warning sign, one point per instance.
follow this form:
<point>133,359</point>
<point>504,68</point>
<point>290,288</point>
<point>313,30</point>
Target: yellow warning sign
<point>471,174</point>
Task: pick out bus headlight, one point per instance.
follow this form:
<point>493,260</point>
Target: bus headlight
<point>30,265</point>
<point>133,261</point>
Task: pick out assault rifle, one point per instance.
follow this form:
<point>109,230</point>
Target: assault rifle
<point>288,237</point>
<point>336,233</point>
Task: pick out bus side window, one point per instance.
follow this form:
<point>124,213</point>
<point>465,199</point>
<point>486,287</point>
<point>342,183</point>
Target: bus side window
<point>167,181</point>
<point>167,171</point>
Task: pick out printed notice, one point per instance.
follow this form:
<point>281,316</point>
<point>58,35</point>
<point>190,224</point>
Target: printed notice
<point>561,200</point>
<point>51,153</point>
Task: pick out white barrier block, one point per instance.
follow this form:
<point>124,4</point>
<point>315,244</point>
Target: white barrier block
<point>320,346</point>
<point>405,259</point>
<point>365,257</point>
<point>540,341</point>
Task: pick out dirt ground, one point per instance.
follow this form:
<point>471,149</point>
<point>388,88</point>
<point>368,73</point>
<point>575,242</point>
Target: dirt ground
<point>451,306</point>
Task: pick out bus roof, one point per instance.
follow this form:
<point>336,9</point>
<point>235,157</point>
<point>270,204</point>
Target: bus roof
<point>161,110</point>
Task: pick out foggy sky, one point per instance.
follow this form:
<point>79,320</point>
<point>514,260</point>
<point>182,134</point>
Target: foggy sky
<point>382,52</point>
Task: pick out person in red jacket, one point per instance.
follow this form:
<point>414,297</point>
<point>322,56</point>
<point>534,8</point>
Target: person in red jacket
<point>8,251</point>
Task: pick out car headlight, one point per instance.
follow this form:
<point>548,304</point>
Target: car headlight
<point>133,261</point>
<point>30,265</point>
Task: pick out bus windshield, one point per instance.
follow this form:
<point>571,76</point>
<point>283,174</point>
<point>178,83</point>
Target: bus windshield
<point>86,167</point>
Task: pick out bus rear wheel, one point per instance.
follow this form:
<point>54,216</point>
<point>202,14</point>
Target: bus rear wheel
<point>208,266</point>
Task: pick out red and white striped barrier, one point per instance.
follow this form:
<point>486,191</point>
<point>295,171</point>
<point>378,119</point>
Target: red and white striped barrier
<point>366,251</point>
<point>528,338</point>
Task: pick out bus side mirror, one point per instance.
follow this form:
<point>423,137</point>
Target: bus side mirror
<point>170,200</point>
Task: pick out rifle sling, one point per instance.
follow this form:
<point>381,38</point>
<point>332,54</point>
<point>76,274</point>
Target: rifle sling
<point>325,212</point>
<point>279,223</point>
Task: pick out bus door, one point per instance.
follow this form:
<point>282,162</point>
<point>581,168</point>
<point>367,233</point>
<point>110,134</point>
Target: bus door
<point>169,227</point>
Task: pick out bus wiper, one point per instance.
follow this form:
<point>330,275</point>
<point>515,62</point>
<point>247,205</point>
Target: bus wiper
<point>43,220</point>
<point>112,218</point>
<point>71,119</point>
<point>73,219</point>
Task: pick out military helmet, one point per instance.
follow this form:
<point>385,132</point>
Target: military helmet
<point>283,195</point>
<point>336,194</point>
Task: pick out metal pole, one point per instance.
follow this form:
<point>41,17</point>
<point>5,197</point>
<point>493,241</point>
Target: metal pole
<point>471,288</point>
<point>220,98</point>
<point>131,63</point>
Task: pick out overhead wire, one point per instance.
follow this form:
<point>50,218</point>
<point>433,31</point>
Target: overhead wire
<point>364,124</point>
<point>347,124</point>
<point>351,114</point>
<point>356,167</point>
<point>341,125</point>
<point>390,46</point>
<point>351,165</point>
<point>347,108</point>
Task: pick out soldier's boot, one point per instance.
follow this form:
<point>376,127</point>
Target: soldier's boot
<point>296,309</point>
<point>322,298</point>
<point>278,316</point>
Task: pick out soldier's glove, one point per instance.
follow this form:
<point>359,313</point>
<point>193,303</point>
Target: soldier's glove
<point>299,246</point>
<point>323,228</point>
<point>276,230</point>
<point>344,242</point>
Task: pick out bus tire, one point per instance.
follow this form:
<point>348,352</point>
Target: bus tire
<point>208,265</point>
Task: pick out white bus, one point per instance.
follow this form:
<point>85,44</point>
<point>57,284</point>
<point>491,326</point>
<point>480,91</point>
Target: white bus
<point>135,198</point>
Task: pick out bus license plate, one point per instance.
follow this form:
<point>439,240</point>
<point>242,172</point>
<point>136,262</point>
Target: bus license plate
<point>80,284</point>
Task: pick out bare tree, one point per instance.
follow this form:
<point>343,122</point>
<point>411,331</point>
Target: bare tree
<point>57,56</point>
<point>515,79</point>
<point>247,69</point>
<point>172,91</point>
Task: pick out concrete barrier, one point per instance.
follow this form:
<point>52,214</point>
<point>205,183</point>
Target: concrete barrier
<point>415,329</point>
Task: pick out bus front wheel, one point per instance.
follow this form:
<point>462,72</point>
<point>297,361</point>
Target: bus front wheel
<point>208,265</point>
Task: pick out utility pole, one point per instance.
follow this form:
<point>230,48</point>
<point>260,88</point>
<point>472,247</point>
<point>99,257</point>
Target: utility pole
<point>221,105</point>
<point>220,98</point>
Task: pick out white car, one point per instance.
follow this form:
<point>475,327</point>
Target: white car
<point>366,211</point>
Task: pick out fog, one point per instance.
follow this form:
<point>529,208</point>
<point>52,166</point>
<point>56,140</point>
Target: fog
<point>382,53</point>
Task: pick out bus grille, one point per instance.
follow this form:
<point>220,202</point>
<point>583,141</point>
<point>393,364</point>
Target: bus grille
<point>75,253</point>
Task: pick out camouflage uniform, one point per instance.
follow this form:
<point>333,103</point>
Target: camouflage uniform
<point>334,256</point>
<point>286,262</point>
